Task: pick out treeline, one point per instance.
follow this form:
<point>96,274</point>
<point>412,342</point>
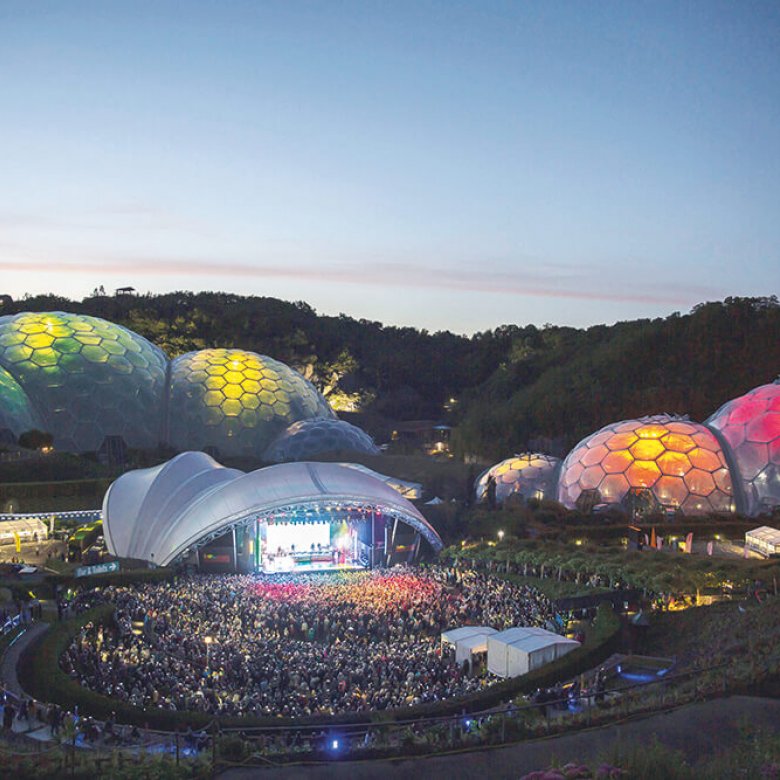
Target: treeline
<point>561,384</point>
<point>517,387</point>
<point>400,373</point>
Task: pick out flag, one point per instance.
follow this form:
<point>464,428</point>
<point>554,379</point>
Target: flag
<point>659,542</point>
<point>647,540</point>
<point>653,542</point>
<point>709,547</point>
<point>18,541</point>
<point>689,543</point>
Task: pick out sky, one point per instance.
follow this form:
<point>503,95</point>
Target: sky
<point>445,165</point>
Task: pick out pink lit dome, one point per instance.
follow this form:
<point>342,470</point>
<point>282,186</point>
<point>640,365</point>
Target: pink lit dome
<point>750,426</point>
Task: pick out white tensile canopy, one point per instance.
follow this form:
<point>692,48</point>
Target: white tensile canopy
<point>520,650</point>
<point>26,528</point>
<point>410,490</point>
<point>160,513</point>
<point>467,641</point>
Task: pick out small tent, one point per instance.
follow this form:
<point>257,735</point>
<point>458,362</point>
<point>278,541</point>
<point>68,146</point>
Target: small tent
<point>520,650</point>
<point>26,529</point>
<point>764,540</point>
<point>467,641</point>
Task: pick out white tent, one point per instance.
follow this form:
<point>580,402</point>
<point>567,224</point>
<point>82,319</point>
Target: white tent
<point>520,650</point>
<point>764,540</point>
<point>467,641</point>
<point>28,529</point>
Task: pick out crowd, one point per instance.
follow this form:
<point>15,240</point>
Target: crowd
<point>294,644</point>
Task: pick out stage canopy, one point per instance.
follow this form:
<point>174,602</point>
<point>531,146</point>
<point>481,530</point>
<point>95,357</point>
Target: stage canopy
<point>520,650</point>
<point>162,513</point>
<point>410,490</point>
<point>467,640</point>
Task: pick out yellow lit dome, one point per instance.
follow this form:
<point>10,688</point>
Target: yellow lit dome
<point>86,378</point>
<point>236,401</point>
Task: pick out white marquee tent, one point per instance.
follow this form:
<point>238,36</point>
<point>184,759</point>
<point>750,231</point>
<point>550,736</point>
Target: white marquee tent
<point>467,641</point>
<point>520,650</point>
<point>26,528</point>
<point>764,540</point>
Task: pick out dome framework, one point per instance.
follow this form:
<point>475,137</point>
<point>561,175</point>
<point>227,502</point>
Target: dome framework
<point>85,378</point>
<point>528,475</point>
<point>679,464</point>
<point>236,401</point>
<point>750,428</point>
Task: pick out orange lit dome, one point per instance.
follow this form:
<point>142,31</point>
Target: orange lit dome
<point>750,425</point>
<point>674,463</point>
<point>530,475</point>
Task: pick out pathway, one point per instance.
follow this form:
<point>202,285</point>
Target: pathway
<point>12,654</point>
<point>698,730</point>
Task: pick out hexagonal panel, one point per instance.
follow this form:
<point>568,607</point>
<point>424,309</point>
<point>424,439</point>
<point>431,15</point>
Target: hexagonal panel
<point>87,378</point>
<point>647,449</point>
<point>254,398</point>
<point>674,464</point>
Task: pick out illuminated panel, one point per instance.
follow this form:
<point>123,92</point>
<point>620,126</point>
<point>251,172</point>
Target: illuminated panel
<point>529,475</point>
<point>679,461</point>
<point>236,401</point>
<point>87,378</point>
<point>750,426</point>
<point>16,411</point>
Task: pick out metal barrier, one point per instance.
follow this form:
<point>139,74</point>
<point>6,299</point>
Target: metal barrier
<point>11,624</point>
<point>322,743</point>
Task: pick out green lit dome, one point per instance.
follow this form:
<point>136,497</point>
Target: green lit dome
<point>16,411</point>
<point>236,401</point>
<point>87,378</point>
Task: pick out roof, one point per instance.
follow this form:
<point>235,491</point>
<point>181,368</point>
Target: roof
<point>466,632</point>
<point>765,533</point>
<point>410,490</point>
<point>530,638</point>
<point>161,513</point>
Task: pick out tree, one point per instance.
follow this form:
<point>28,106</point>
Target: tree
<point>35,440</point>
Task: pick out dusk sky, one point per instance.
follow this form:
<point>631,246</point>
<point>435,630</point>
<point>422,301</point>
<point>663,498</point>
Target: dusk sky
<point>444,165</point>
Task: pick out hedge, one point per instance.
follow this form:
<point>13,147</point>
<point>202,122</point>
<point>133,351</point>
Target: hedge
<point>40,675</point>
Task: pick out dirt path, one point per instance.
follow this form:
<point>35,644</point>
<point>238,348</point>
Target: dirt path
<point>696,729</point>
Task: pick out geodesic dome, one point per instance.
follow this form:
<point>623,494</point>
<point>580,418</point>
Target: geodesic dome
<point>16,412</point>
<point>750,425</point>
<point>236,401</point>
<point>86,378</point>
<point>530,475</point>
<point>308,438</point>
<point>677,463</point>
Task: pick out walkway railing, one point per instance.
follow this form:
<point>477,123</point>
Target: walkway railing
<point>405,737</point>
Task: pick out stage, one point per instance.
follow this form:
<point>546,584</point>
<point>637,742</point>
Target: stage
<point>306,547</point>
